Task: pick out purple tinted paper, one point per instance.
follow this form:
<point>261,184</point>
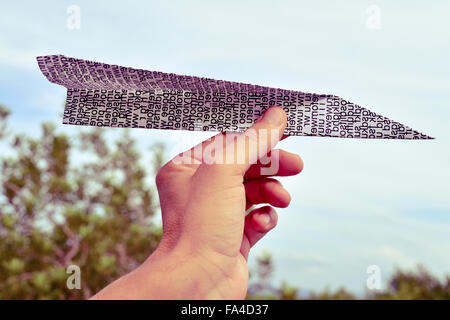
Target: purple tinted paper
<point>100,94</point>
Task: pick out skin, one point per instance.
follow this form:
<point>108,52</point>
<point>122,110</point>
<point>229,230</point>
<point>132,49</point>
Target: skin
<point>206,234</point>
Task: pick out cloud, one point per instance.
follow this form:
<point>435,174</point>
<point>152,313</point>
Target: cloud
<point>397,257</point>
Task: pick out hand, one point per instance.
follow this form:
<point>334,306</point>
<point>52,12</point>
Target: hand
<point>204,194</point>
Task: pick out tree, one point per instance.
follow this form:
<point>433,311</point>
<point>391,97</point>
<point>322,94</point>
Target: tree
<point>418,284</point>
<point>80,201</point>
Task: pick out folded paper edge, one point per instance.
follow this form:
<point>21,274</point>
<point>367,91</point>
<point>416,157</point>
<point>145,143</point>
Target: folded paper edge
<point>40,59</point>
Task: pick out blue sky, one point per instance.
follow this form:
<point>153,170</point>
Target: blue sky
<point>358,202</point>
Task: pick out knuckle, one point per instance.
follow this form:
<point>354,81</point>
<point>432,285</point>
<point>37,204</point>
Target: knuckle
<point>275,220</point>
<point>163,173</point>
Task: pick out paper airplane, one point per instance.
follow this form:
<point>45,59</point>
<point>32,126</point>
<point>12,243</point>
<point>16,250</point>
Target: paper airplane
<point>100,94</point>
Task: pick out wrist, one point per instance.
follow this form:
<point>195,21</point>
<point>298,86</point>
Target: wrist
<point>182,273</point>
<point>187,273</point>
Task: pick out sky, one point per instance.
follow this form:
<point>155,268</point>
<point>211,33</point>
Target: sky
<point>358,202</point>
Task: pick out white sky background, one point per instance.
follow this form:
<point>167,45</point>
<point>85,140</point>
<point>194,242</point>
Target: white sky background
<point>358,202</point>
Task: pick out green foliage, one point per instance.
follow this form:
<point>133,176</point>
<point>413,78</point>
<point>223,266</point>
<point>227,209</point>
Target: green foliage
<point>64,201</point>
<point>416,285</point>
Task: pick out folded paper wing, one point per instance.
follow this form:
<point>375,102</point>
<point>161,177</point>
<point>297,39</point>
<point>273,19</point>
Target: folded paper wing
<point>100,94</point>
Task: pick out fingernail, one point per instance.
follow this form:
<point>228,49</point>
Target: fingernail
<point>274,116</point>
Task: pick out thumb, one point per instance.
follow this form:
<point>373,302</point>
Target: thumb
<point>239,151</point>
<point>265,133</point>
<point>217,195</point>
